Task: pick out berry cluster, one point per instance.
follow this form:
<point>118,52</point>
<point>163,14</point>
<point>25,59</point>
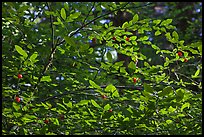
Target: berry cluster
<point>180,54</point>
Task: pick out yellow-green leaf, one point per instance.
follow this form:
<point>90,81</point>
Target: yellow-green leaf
<point>107,107</point>
<point>46,78</point>
<point>186,105</point>
<point>63,13</point>
<point>21,51</point>
<point>95,104</point>
<point>94,85</point>
<point>157,33</point>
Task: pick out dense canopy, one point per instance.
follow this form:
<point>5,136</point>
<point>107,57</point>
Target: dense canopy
<point>101,68</point>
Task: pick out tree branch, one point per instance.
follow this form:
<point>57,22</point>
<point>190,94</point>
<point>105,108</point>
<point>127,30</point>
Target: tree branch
<point>88,13</point>
<point>76,91</point>
<point>78,29</point>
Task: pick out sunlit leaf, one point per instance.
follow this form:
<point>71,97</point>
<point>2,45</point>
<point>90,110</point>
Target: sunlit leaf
<point>21,51</point>
<point>94,103</point>
<point>135,18</point>
<point>94,85</point>
<point>186,105</point>
<point>63,13</point>
<point>33,57</point>
<point>83,102</point>
<point>157,33</point>
<point>132,65</point>
<point>107,107</point>
<point>46,78</point>
<point>156,22</point>
<point>125,25</point>
<point>110,88</point>
<point>115,94</point>
<point>126,119</point>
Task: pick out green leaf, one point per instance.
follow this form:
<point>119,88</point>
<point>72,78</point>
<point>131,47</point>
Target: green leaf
<point>115,94</point>
<point>156,22</point>
<point>46,78</point>
<point>132,65</point>
<point>133,37</point>
<point>200,48</point>
<point>63,13</point>
<point>70,41</point>
<point>106,25</point>
<point>168,35</point>
<point>171,109</point>
<point>175,35</point>
<point>16,114</point>
<point>143,38</point>
<point>146,94</point>
<point>69,104</point>
<point>179,94</point>
<point>109,56</point>
<point>186,105</point>
<point>169,121</point>
<point>166,22</point>
<point>125,25</point>
<point>148,88</point>
<point>95,104</point>
<point>135,18</point>
<point>75,15</point>
<point>157,33</point>
<point>94,85</point>
<point>126,119</point>
<point>196,73</point>
<point>62,106</point>
<point>110,88</point>
<point>155,47</point>
<point>167,90</point>
<point>66,6</point>
<point>59,20</point>
<point>33,57</point>
<point>107,107</point>
<point>56,121</point>
<point>146,64</point>
<point>122,70</point>
<point>83,102</point>
<point>21,51</point>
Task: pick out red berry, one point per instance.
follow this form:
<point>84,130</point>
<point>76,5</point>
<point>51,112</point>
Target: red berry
<point>134,80</point>
<point>114,38</point>
<point>94,40</point>
<point>104,96</point>
<point>180,53</point>
<point>18,99</point>
<point>110,110</point>
<point>46,121</point>
<point>127,39</point>
<point>185,60</point>
<point>20,76</point>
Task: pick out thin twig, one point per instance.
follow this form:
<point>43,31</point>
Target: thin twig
<point>72,34</point>
<point>88,13</point>
<point>188,78</point>
<point>76,91</point>
<point>77,30</point>
<point>51,23</point>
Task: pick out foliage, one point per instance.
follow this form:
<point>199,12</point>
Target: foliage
<point>63,83</point>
